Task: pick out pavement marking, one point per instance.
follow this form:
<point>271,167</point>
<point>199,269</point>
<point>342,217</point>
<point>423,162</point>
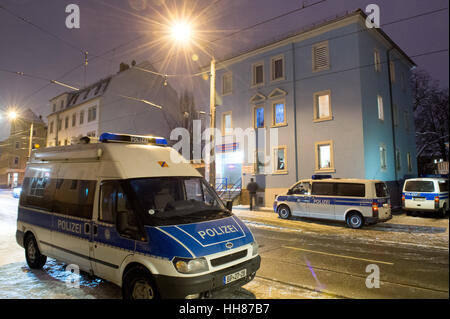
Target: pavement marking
<point>342,256</point>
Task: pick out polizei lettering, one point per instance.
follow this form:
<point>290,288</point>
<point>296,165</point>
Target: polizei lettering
<point>217,231</point>
<point>69,226</point>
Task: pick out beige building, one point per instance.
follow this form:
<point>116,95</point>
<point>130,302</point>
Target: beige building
<point>15,149</point>
<point>117,103</point>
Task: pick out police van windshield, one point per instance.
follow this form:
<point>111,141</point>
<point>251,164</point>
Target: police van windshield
<point>176,200</point>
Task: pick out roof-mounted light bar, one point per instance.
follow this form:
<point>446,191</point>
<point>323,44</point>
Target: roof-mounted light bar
<point>321,176</point>
<point>132,139</point>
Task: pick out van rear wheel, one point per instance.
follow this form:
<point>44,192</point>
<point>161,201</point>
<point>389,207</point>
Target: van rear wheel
<point>355,220</point>
<point>138,284</point>
<point>35,259</point>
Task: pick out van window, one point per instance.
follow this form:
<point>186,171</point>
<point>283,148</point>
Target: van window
<point>419,186</point>
<point>322,189</point>
<point>78,201</point>
<point>37,192</point>
<point>381,190</point>
<point>350,189</point>
<point>443,186</point>
<point>176,200</point>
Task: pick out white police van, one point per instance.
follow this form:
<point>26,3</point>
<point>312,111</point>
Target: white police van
<point>426,195</point>
<point>132,211</point>
<point>355,201</point>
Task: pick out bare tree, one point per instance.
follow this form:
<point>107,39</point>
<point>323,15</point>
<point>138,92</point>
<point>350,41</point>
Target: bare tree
<point>431,115</point>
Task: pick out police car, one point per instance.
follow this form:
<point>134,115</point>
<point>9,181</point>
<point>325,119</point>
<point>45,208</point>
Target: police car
<point>426,195</point>
<point>355,201</point>
<point>132,211</point>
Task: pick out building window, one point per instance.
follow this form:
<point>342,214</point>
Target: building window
<point>320,57</point>
<point>227,123</point>
<point>81,117</point>
<point>322,106</point>
<point>377,60</point>
<point>392,71</point>
<point>51,127</point>
<point>74,119</point>
<point>406,121</point>
<point>258,117</point>
<point>383,157</point>
<point>395,111</point>
<point>227,83</point>
<point>257,74</point>
<point>277,68</point>
<point>17,145</point>
<point>278,113</point>
<point>59,124</point>
<point>409,162</point>
<point>62,104</point>
<point>324,156</point>
<point>398,165</point>
<point>92,114</point>
<point>279,160</point>
<point>260,167</point>
<point>16,160</point>
<point>66,122</point>
<point>380,108</point>
<point>54,107</point>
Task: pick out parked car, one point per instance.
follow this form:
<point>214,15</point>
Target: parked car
<point>355,201</point>
<point>16,192</point>
<point>425,195</point>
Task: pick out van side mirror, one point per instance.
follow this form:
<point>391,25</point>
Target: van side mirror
<point>229,205</point>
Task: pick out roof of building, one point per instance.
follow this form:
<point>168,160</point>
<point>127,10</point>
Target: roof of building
<point>292,35</point>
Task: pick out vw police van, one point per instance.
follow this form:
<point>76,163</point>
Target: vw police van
<point>132,211</point>
<point>426,195</point>
<point>355,201</point>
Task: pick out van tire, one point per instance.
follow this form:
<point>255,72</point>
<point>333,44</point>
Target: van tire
<point>33,256</point>
<point>355,220</point>
<point>138,284</point>
<point>284,212</point>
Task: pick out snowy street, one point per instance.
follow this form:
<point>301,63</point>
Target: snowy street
<point>300,259</point>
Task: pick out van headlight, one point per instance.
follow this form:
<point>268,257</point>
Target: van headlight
<point>189,265</point>
<point>255,247</point>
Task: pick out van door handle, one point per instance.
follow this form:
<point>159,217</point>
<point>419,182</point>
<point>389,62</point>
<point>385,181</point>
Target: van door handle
<point>87,228</point>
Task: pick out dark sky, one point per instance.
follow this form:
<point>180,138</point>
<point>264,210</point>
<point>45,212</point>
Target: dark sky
<point>49,50</point>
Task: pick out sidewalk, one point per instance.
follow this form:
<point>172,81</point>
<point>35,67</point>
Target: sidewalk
<point>401,229</point>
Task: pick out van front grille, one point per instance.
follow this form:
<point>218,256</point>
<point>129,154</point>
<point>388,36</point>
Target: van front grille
<point>228,258</point>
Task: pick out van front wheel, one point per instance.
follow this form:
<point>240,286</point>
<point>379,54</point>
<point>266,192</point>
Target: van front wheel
<point>35,259</point>
<point>284,212</point>
<point>138,284</point>
<point>355,220</point>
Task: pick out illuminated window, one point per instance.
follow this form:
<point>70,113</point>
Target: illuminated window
<point>259,117</point>
<point>380,108</point>
<point>227,123</point>
<point>278,113</point>
<point>279,160</point>
<point>383,157</point>
<point>322,106</point>
<point>324,156</point>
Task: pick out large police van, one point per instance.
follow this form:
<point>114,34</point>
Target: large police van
<point>425,195</point>
<point>132,211</point>
<point>355,201</point>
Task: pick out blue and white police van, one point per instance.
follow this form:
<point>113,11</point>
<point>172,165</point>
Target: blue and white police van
<point>129,209</point>
<point>425,194</point>
<point>355,201</point>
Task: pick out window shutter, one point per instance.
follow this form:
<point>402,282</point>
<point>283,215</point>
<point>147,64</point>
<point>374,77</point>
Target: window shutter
<point>320,57</point>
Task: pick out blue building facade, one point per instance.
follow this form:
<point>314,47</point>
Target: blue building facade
<point>333,99</point>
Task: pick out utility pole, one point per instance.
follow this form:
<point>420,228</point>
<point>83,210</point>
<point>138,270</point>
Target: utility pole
<point>212,110</point>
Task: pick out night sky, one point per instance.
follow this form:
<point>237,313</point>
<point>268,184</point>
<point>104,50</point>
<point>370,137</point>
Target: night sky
<point>49,50</point>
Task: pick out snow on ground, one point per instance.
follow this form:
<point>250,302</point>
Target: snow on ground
<point>418,230</point>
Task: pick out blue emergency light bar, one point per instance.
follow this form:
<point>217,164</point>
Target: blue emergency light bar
<point>321,176</point>
<point>132,139</point>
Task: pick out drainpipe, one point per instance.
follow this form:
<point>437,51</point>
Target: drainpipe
<point>394,144</point>
<point>295,112</point>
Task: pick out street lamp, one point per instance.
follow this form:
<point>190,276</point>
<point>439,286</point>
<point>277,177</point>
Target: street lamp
<point>182,33</point>
<point>13,115</point>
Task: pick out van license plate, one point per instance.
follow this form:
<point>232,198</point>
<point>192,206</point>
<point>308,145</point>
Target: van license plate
<point>421,199</point>
<point>235,276</point>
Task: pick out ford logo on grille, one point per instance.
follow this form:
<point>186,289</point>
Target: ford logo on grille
<point>229,245</point>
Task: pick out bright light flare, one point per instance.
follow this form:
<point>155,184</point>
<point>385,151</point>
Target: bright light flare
<point>181,31</point>
<point>12,115</point>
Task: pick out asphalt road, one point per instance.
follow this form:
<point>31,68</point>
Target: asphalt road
<point>295,264</point>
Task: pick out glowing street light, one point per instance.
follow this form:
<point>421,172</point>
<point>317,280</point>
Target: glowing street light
<point>12,115</point>
<point>181,31</point>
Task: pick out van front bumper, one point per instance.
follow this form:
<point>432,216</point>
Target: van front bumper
<point>180,287</point>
